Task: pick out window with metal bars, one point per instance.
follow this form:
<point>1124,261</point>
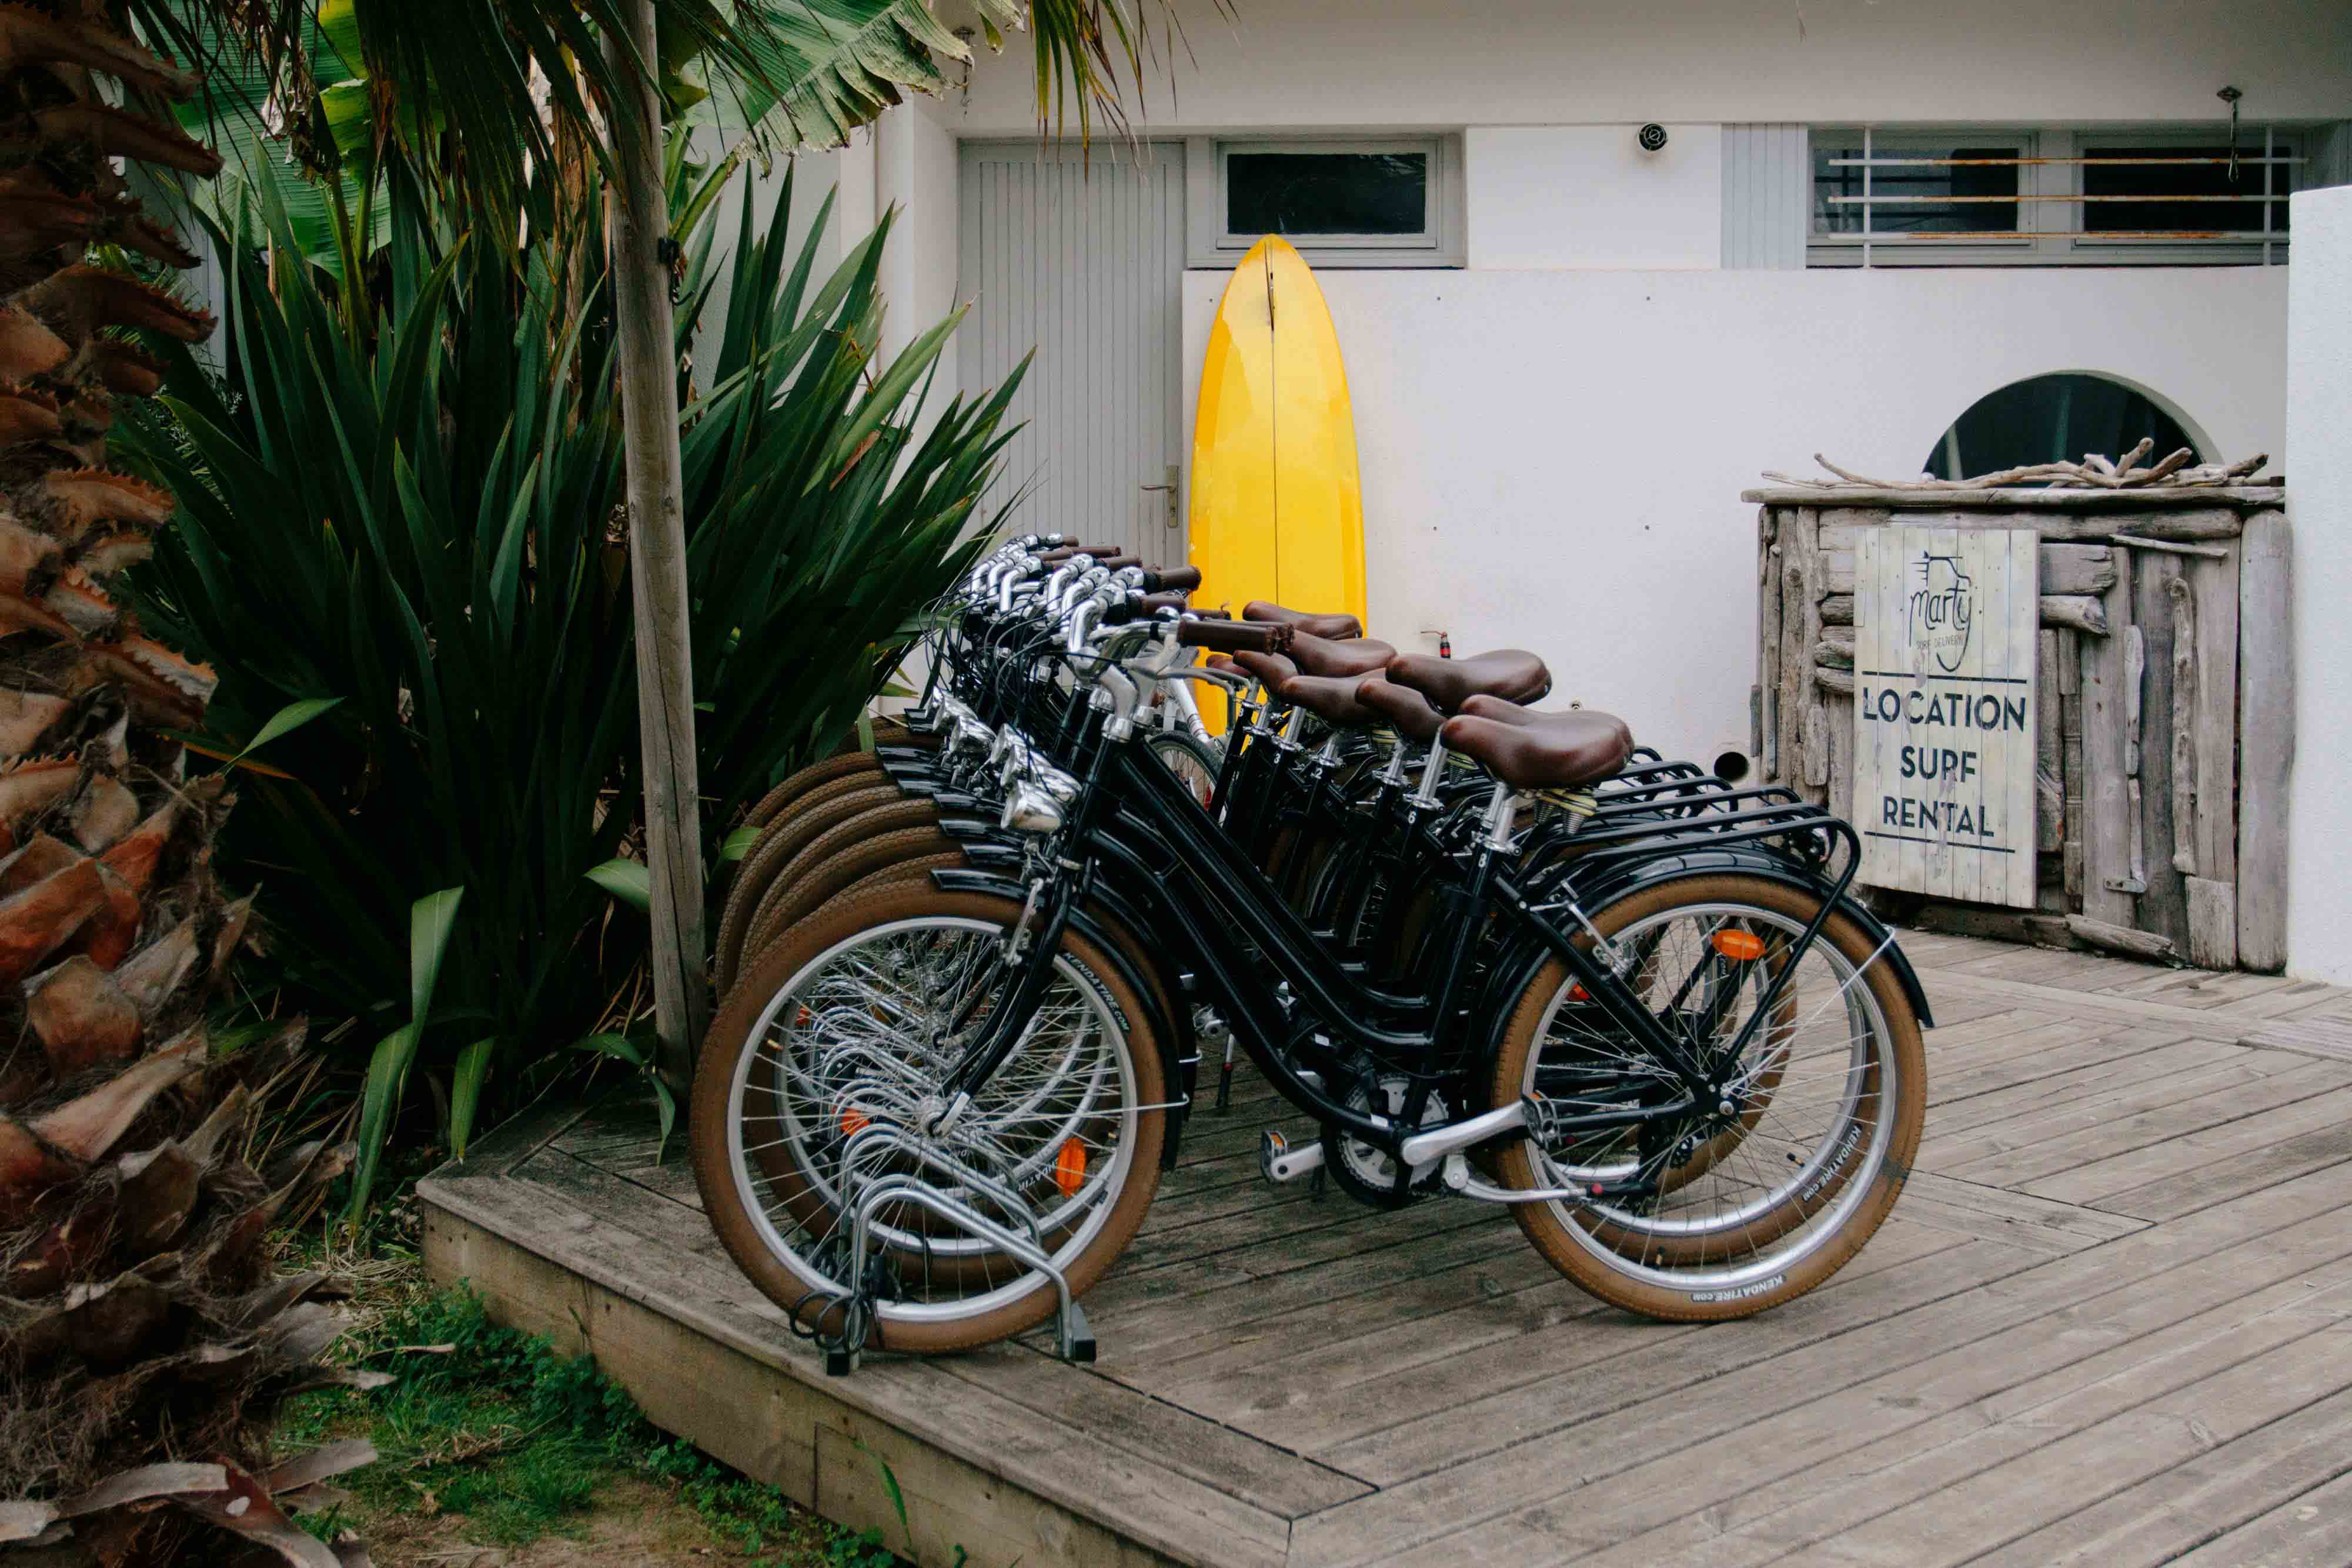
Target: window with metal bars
<point>2104,197</point>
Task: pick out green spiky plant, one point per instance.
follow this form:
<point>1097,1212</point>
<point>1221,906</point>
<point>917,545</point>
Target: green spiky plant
<point>408,512</point>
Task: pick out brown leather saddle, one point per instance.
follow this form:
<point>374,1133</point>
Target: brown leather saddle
<point>1335,627</point>
<point>1513,674</point>
<point>1331,698</point>
<point>1402,708</point>
<point>1351,659</point>
<point>1544,750</point>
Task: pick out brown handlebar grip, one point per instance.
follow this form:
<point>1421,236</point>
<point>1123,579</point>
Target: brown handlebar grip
<point>1098,551</point>
<point>1119,562</point>
<point>1057,557</point>
<point>1182,579</point>
<point>1235,636</point>
<point>1142,608</point>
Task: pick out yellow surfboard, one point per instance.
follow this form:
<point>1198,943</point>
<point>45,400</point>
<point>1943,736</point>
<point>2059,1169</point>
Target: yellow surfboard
<point>1278,507</point>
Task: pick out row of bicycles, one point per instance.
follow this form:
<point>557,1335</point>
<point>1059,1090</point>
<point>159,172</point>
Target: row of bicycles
<point>1495,953</point>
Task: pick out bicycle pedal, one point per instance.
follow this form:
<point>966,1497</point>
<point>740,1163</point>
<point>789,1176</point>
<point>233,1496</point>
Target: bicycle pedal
<point>1278,1162</point>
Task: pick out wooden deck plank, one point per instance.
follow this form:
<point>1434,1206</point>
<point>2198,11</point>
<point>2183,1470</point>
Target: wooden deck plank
<point>2169,1271</point>
<point>2327,1039</point>
<point>2011,1498</point>
<point>1987,1111</point>
<point>1179,1310</point>
<point>2202,1023</point>
<point>2014,1218</point>
<point>1743,1452</point>
<point>2207,1499</point>
<point>2232,1157</point>
<point>2078,1045</point>
<point>1801,1512</point>
<point>2312,1531</point>
<point>1107,1411</point>
<point>1445,1414</point>
<point>2231,989</point>
<point>1432,1451</point>
<point>2036,1039</point>
<point>2055,966</point>
<point>2115,1125</point>
<point>1533,1328</point>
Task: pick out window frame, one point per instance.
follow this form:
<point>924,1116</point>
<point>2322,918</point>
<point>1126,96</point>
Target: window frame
<point>1902,253</point>
<point>1210,245</point>
<point>2076,246</point>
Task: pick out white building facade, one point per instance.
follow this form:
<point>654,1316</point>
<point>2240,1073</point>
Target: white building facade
<point>1571,351</point>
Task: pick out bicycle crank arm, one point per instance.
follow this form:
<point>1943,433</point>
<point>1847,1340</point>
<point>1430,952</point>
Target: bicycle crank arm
<point>1279,1162</point>
<point>1426,1148</point>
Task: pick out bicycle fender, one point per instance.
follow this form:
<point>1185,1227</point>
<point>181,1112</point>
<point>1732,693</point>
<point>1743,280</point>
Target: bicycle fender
<point>1753,860</point>
<point>1527,953</point>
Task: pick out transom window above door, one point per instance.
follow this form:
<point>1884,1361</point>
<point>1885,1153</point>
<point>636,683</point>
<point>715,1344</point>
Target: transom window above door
<point>1343,201</point>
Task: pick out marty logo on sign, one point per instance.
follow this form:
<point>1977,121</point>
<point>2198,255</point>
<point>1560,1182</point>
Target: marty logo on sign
<point>1943,710</point>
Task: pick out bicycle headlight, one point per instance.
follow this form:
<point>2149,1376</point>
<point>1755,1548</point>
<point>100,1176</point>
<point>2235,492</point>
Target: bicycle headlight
<point>1029,808</point>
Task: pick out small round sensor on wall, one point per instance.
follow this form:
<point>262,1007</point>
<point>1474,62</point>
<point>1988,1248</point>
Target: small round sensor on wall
<point>1652,136</point>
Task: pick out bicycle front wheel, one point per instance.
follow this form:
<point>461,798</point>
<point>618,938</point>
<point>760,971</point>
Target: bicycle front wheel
<point>849,1022</point>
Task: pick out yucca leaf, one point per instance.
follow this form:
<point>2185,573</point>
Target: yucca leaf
<point>619,1047</point>
<point>631,882</point>
<point>466,1083</point>
<point>380,1095</point>
<point>433,917</point>
<point>291,718</point>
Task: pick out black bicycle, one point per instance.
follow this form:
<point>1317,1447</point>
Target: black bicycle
<point>1495,954</point>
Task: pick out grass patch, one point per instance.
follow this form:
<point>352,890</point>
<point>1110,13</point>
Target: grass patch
<point>522,1442</point>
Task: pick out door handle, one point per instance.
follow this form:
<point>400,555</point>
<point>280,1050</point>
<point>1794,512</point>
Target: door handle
<point>1170,489</point>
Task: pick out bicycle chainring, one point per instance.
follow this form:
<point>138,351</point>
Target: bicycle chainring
<point>1367,1174</point>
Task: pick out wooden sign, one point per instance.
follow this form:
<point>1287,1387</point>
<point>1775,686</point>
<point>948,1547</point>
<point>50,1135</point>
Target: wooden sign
<point>1943,711</point>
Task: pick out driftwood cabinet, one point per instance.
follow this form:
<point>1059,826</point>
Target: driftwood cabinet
<point>2165,715</point>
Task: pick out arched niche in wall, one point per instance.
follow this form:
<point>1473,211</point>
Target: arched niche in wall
<point>2046,419</point>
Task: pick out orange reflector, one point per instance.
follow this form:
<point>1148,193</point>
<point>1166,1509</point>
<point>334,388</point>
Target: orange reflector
<point>1577,993</point>
<point>803,1018</point>
<point>1743,946</point>
<point>1070,1168</point>
<point>854,1122</point>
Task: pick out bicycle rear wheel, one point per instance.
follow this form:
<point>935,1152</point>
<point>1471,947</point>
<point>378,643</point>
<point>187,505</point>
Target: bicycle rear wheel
<point>1730,1211</point>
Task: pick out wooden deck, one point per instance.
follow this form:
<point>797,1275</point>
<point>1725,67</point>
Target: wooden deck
<point>2110,1322</point>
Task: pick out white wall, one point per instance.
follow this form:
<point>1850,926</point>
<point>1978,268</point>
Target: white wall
<point>1449,63</point>
<point>1553,460</point>
<point>1587,195</point>
<point>915,171</point>
<point>2319,503</point>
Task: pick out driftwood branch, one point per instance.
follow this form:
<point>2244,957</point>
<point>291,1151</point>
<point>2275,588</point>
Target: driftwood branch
<point>2130,472</point>
<point>2211,552</point>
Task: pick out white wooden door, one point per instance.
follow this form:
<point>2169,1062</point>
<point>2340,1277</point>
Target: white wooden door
<point>1081,261</point>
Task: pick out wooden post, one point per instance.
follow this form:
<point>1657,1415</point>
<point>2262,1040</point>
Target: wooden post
<point>2266,751</point>
<point>638,216</point>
